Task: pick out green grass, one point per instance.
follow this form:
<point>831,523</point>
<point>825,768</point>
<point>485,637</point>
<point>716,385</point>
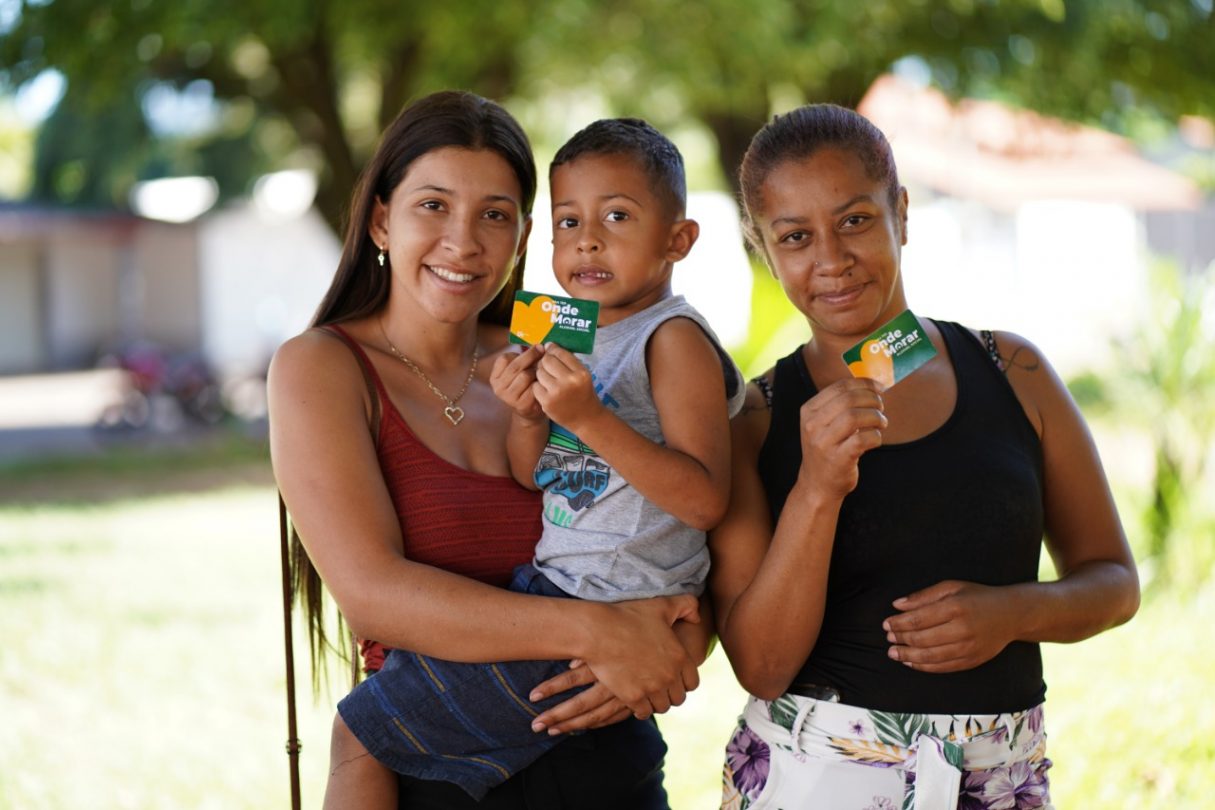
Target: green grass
<point>133,467</point>
<point>141,664</point>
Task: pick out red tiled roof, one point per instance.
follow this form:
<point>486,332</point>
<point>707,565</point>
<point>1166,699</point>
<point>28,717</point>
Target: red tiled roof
<point>1000,156</point>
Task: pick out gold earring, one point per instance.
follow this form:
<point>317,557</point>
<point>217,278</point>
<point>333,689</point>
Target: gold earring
<point>382,257</point>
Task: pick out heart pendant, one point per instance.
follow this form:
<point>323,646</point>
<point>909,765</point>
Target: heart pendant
<point>454,414</point>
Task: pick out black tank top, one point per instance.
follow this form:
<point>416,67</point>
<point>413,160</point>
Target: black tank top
<point>964,502</point>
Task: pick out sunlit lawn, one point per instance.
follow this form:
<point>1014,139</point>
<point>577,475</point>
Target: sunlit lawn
<point>141,667</point>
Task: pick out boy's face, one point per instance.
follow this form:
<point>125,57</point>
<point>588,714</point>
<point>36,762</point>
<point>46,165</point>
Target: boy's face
<point>614,240</point>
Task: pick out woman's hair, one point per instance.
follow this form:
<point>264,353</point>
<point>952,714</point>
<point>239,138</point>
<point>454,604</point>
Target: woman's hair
<point>360,286</point>
<point>799,134</point>
<point>451,118</point>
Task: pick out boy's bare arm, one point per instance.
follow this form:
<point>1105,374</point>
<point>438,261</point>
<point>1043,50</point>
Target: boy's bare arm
<point>525,441</point>
<point>512,380</point>
<point>689,476</point>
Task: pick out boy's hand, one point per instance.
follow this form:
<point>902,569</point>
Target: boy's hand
<point>511,379</point>
<point>564,388</point>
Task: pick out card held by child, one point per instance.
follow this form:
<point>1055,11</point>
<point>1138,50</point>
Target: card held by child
<point>544,318</point>
<point>896,349</point>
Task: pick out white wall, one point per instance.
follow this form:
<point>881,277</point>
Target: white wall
<point>83,266</point>
<point>165,258</point>
<point>21,346</point>
<point>261,280</point>
<point>1067,275</point>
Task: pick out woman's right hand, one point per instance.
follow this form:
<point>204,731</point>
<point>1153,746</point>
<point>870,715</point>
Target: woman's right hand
<point>637,655</point>
<point>838,425</point>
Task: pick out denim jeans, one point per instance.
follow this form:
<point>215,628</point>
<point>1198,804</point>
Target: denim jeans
<point>469,724</point>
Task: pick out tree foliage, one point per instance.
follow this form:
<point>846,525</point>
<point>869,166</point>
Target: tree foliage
<point>330,74</point>
<point>730,63</point>
<point>323,77</point>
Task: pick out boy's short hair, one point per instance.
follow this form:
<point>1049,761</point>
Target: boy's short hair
<point>633,137</point>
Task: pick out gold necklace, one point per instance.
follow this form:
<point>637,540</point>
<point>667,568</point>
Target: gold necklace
<point>453,412</point>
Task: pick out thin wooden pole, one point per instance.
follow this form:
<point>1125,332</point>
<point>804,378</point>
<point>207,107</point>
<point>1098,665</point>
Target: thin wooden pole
<point>293,741</point>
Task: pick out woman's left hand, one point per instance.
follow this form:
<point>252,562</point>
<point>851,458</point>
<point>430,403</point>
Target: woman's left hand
<point>950,627</point>
<point>590,708</point>
<point>597,707</point>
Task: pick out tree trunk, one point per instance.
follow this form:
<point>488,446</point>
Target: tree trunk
<point>733,131</point>
<point>397,81</point>
<point>309,89</point>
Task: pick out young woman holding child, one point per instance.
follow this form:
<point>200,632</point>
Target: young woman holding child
<point>389,447</point>
<point>876,578</point>
<point>629,443</point>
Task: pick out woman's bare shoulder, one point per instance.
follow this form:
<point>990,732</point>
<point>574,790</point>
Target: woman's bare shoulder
<point>314,360</point>
<point>1033,379</point>
<point>1014,350</point>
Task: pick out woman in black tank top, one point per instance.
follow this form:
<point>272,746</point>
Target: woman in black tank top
<point>875,581</point>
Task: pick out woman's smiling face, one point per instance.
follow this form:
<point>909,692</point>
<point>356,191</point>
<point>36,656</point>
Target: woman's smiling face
<point>453,229</point>
<point>833,239</point>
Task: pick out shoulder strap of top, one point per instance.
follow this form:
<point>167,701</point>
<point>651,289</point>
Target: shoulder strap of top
<point>989,342</point>
<point>765,388</point>
<point>789,388</point>
<point>370,378</point>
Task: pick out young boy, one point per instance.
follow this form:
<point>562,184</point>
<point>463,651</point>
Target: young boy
<point>624,520</point>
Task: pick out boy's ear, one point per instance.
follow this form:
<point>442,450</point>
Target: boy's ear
<point>684,234</point>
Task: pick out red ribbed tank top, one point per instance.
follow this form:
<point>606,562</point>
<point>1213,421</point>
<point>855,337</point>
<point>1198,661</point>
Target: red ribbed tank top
<point>469,523</point>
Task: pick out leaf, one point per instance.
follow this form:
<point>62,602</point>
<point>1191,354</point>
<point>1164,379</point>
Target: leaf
<point>1016,730</point>
<point>953,753</point>
<point>872,752</point>
<point>894,728</point>
<point>783,712</point>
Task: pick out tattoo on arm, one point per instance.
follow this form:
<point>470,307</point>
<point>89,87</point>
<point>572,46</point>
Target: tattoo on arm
<point>1024,359</point>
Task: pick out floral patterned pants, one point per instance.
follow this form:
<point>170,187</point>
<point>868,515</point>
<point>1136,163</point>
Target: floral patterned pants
<point>797,752</point>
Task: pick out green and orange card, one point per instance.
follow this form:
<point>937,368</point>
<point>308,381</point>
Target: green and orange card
<point>896,349</point>
<point>544,318</point>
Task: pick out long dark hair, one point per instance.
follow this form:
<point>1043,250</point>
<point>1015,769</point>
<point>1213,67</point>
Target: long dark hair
<point>448,118</point>
<point>360,285</point>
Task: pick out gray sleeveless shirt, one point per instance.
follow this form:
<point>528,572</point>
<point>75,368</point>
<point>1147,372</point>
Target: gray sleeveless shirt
<point>602,539</point>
